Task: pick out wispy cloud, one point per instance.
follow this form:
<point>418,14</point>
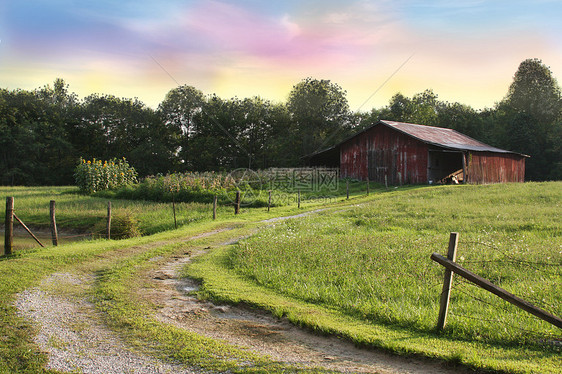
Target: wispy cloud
<point>253,47</point>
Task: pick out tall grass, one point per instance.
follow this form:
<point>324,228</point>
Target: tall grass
<point>285,184</point>
<point>81,214</point>
<point>372,261</point>
<point>148,204</point>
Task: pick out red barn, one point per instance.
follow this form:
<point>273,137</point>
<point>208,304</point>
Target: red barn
<point>404,153</point>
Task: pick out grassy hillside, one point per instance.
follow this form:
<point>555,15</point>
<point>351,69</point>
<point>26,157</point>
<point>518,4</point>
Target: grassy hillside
<point>369,264</point>
<point>360,270</point>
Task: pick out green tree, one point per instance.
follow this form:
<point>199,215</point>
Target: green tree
<point>58,154</point>
<point>320,114</point>
<point>112,127</point>
<point>260,124</point>
<point>178,111</point>
<point>532,116</point>
<point>235,133</point>
<point>461,118</point>
<point>535,91</point>
<point>212,139</point>
<point>421,109</point>
<point>19,143</point>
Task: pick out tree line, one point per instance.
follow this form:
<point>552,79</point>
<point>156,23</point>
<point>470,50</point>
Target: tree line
<point>44,132</point>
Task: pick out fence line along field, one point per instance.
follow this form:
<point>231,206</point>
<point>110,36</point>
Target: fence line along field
<point>78,215</point>
<point>156,203</point>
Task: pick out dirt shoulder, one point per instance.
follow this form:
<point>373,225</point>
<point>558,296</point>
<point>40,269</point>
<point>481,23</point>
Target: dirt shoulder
<point>263,333</point>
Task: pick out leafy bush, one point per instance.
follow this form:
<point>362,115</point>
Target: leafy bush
<point>124,225</point>
<point>182,187</point>
<point>254,186</point>
<point>95,175</point>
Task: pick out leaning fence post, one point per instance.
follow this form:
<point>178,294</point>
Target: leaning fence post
<point>54,233</point>
<point>28,230</point>
<point>109,220</point>
<point>447,282</point>
<point>498,291</point>
<point>237,203</point>
<point>9,226</point>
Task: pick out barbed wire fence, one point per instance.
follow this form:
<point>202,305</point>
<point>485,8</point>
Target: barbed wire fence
<point>517,324</point>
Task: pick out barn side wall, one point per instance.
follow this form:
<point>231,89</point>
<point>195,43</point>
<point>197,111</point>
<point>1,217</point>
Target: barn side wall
<point>353,158</point>
<point>382,151</point>
<point>488,167</point>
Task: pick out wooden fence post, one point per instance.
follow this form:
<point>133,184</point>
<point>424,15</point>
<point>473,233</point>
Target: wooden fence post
<point>498,291</point>
<point>447,282</point>
<point>237,203</point>
<point>109,220</point>
<point>9,226</point>
<point>54,233</point>
<point>299,199</point>
<point>28,230</point>
<point>269,201</point>
<point>215,208</point>
<point>368,185</point>
<point>174,209</point>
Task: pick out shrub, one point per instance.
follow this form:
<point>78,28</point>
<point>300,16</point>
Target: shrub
<point>123,225</point>
<point>95,175</point>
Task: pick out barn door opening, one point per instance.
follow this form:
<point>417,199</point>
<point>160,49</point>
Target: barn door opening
<point>445,167</point>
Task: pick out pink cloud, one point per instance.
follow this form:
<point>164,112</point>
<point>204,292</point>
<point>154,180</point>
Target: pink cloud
<point>228,28</point>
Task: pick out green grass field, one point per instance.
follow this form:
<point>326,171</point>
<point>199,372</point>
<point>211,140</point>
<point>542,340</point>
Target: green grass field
<point>370,263</point>
<point>86,214</point>
<point>360,270</point>
<point>82,214</point>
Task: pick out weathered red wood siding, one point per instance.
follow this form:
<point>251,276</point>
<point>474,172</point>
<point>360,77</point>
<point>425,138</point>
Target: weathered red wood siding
<point>382,151</point>
<point>488,167</point>
<point>353,158</point>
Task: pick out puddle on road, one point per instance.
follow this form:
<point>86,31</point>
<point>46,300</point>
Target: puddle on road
<point>189,288</point>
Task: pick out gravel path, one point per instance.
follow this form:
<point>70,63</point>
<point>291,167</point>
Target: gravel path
<point>70,331</point>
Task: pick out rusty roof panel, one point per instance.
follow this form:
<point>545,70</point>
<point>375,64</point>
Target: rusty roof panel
<point>442,137</point>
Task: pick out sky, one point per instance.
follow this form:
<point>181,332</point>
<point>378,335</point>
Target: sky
<point>466,51</point>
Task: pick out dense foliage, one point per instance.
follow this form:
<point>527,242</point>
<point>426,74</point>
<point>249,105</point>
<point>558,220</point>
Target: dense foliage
<point>94,175</point>
<point>268,187</point>
<point>44,132</point>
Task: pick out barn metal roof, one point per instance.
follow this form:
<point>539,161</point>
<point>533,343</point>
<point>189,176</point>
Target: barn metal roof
<point>436,136</point>
<point>442,137</point>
